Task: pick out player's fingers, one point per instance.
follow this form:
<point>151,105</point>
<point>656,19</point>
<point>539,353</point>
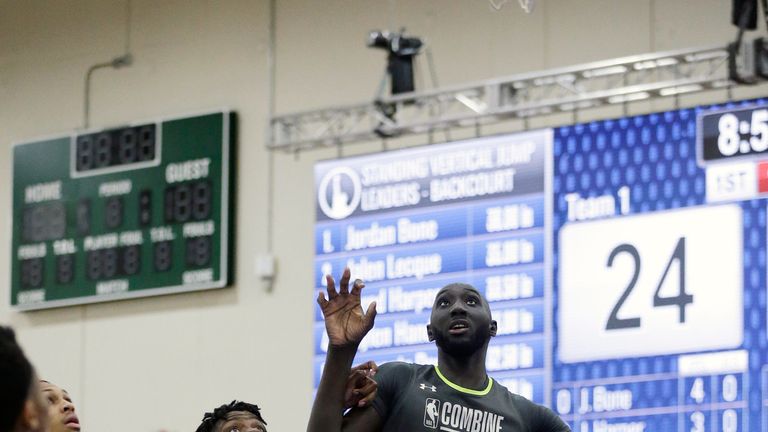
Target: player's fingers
<point>356,378</point>
<point>366,367</point>
<point>344,282</point>
<point>357,286</point>
<point>372,367</point>
<point>351,401</point>
<point>369,390</point>
<point>321,300</point>
<point>370,315</point>
<point>351,397</point>
<point>331,286</point>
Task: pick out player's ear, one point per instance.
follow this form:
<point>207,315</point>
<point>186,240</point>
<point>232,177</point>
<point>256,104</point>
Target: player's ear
<point>429,333</point>
<point>30,417</point>
<point>494,327</point>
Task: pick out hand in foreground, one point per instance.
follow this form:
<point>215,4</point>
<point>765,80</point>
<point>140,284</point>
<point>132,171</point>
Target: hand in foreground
<point>361,388</point>
<point>344,319</point>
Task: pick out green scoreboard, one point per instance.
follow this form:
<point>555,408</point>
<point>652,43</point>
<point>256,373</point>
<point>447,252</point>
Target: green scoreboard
<point>125,212</point>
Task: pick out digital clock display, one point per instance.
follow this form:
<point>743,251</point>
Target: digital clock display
<point>124,212</point>
<point>115,147</point>
<point>732,134</point>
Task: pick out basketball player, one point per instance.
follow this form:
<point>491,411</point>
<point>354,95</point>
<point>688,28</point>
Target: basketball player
<point>456,395</point>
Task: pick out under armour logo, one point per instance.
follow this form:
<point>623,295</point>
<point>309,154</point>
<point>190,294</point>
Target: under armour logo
<point>425,387</point>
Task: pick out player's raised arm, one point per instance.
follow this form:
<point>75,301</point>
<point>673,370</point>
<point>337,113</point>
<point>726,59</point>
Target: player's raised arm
<point>346,325</point>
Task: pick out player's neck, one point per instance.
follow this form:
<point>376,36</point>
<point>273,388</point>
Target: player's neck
<point>468,372</point>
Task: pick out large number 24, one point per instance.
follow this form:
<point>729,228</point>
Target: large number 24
<point>680,300</point>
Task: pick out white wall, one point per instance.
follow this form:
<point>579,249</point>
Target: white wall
<point>159,363</point>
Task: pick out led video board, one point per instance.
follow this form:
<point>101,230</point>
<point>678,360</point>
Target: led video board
<point>624,260</point>
<point>126,212</point>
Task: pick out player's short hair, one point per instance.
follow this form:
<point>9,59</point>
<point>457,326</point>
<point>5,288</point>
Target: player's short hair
<point>16,374</point>
<point>211,418</point>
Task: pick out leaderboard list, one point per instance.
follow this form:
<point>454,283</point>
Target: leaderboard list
<point>412,221</point>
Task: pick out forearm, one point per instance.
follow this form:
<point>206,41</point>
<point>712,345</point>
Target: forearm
<point>328,408</point>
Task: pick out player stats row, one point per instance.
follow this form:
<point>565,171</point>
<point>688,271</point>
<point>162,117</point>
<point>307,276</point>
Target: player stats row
<point>429,225</point>
<point>419,262</point>
<point>723,420</point>
<point>523,285</point>
<point>102,215</point>
<point>636,396</point>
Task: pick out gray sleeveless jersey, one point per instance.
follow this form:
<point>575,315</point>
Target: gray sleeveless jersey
<point>416,398</point>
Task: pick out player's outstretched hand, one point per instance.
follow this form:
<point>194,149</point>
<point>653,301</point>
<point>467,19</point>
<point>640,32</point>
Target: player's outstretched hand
<point>344,319</point>
<point>361,388</point>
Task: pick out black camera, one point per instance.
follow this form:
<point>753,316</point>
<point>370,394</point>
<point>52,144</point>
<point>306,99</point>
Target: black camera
<point>400,52</point>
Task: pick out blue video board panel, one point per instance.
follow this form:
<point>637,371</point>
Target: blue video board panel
<point>659,272</point>
<point>625,261</point>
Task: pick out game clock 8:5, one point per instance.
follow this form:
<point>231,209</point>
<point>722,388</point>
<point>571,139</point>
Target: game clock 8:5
<point>732,133</point>
<point>651,284</point>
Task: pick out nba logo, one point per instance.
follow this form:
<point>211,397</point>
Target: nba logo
<point>431,410</point>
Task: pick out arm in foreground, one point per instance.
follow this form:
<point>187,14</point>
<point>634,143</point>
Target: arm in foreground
<point>346,325</point>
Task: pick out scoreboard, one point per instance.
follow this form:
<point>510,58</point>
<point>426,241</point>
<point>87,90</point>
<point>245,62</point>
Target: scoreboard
<point>125,212</point>
<point>624,261</point>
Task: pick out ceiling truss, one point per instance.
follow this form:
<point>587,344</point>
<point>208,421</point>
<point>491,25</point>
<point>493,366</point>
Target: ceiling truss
<point>570,89</point>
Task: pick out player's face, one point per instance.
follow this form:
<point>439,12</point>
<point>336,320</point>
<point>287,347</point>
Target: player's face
<point>461,320</point>
<point>240,421</point>
<point>61,410</point>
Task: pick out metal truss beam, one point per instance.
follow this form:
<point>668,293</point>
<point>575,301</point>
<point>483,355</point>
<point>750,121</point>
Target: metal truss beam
<point>591,85</point>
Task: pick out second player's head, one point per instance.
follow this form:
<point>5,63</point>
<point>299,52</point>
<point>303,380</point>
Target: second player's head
<point>61,410</point>
<point>235,416</point>
<point>461,322</point>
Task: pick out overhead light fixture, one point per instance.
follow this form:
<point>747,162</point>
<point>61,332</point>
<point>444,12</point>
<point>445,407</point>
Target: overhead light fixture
<point>669,61</point>
<point>478,107</point>
<point>671,91</point>
<point>650,64</point>
<point>711,55</point>
<point>531,112</point>
<point>720,84</point>
<point>631,97</point>
<point>544,81</point>
<point>611,70</point>
<point>578,105</point>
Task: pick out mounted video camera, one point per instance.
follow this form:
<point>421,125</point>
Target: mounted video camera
<point>400,52</point>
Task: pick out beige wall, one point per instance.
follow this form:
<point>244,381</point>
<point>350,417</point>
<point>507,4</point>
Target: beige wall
<point>159,363</point>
